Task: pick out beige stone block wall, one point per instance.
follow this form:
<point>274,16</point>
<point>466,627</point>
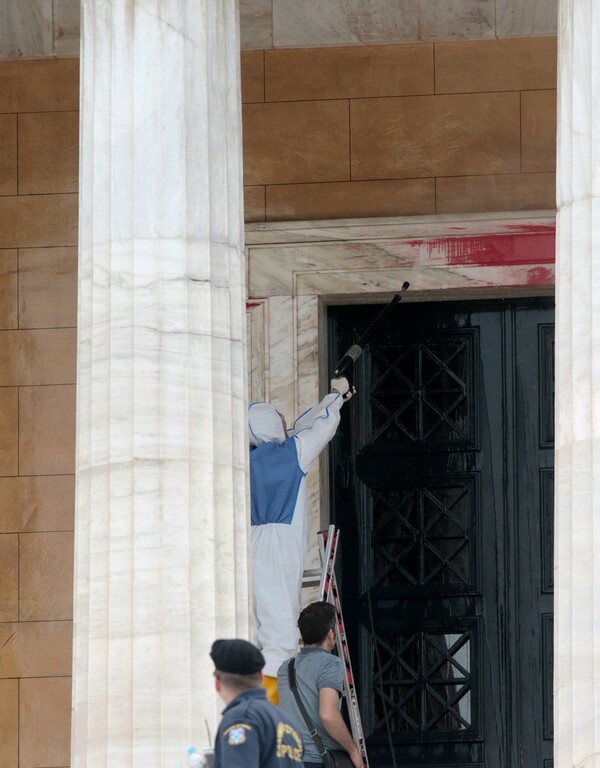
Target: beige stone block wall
<point>397,130</point>
<point>38,238</point>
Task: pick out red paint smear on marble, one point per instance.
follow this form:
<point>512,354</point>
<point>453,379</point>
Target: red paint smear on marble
<point>540,276</point>
<point>493,250</point>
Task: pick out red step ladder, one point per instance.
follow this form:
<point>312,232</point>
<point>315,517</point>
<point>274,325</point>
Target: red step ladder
<point>328,592</point>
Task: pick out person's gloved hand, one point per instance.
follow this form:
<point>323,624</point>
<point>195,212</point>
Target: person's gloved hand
<point>342,386</point>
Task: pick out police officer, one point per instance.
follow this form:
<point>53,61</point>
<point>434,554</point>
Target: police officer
<point>253,732</point>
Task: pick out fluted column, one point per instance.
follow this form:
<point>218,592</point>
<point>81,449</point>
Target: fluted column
<point>577,531</point>
<point>161,529</point>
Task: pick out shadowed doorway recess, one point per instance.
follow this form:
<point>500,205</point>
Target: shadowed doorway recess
<point>442,486</point>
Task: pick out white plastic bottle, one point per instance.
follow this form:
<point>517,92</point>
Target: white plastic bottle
<point>195,759</point>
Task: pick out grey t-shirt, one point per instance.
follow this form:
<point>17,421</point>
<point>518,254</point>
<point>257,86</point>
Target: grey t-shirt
<point>316,668</point>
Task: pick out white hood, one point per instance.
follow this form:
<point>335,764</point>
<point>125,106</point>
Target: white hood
<point>264,424</point>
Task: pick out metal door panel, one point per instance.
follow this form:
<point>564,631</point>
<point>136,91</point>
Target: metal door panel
<point>443,461</point>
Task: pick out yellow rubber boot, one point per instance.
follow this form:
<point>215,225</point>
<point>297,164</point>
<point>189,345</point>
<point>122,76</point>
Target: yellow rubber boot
<point>270,683</point>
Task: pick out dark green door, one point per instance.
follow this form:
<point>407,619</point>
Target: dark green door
<point>442,488</point>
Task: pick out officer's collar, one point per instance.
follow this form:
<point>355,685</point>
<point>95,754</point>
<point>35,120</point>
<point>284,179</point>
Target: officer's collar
<point>311,648</point>
<point>251,693</point>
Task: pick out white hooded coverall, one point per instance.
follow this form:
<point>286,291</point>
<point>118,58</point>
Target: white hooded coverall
<point>278,467</point>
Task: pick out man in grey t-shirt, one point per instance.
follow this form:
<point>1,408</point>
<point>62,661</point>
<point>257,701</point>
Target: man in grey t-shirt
<point>320,681</point>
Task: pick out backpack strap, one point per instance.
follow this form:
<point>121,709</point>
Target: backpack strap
<point>313,731</point>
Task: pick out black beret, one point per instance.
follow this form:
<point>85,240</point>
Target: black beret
<point>238,657</point>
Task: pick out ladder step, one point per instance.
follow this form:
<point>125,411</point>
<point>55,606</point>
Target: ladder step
<point>311,577</point>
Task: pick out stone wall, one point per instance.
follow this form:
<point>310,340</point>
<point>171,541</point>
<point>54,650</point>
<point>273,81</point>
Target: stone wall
<point>399,130</point>
<point>38,307</point>
<point>51,27</point>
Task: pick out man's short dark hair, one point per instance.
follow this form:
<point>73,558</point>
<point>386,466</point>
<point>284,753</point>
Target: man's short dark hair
<point>315,621</point>
<point>239,682</point>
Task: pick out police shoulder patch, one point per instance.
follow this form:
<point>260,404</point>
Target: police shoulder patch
<point>236,736</point>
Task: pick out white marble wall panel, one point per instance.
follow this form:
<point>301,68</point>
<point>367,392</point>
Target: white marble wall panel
<point>65,27</point>
<point>309,392</point>
<point>346,22</point>
<point>45,27</point>
<point>161,547</point>
<point>256,23</point>
<point>307,352</point>
<point>32,28</point>
<point>424,280</point>
<point>281,357</point>
<point>256,327</point>
<point>25,28</point>
<point>407,227</point>
<point>515,18</point>
<point>302,260</point>
<point>577,492</point>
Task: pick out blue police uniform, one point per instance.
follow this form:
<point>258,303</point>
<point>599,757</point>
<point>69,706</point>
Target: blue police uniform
<point>256,734</point>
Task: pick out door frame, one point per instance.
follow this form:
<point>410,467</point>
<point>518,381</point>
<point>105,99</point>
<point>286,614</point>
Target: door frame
<point>296,269</point>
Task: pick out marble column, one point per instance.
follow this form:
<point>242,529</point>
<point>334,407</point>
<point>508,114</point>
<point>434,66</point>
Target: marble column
<point>577,529</point>
<point>161,560</point>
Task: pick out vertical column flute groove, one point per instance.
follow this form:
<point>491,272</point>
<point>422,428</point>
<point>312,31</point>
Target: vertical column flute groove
<point>161,564</point>
<point>577,491</point>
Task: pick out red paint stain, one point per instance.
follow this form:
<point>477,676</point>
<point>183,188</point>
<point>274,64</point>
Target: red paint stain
<point>540,276</point>
<point>492,250</point>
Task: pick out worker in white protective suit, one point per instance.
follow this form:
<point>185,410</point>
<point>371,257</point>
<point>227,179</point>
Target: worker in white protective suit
<point>279,462</point>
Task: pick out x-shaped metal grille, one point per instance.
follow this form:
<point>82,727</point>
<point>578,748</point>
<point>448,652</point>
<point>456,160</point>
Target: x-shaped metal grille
<point>422,391</point>
<point>421,536</point>
<point>425,682</point>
